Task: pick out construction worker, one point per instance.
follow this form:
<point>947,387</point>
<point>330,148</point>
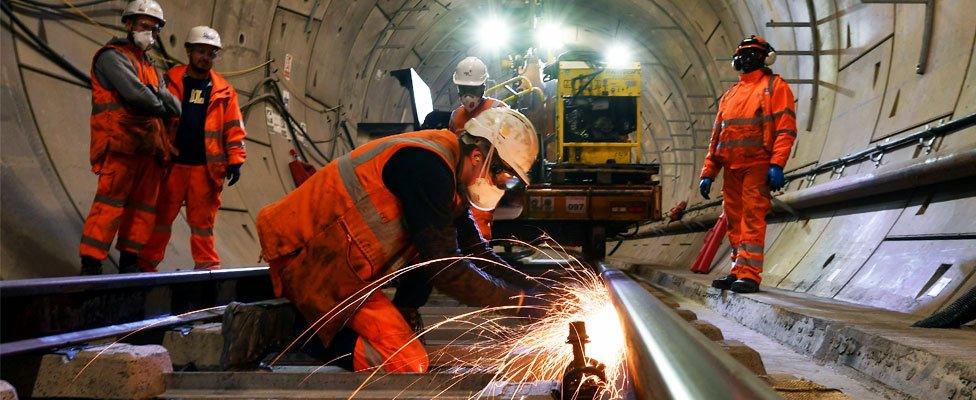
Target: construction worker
<point>337,238</point>
<point>470,76</point>
<point>128,141</point>
<point>752,137</point>
<point>209,146</point>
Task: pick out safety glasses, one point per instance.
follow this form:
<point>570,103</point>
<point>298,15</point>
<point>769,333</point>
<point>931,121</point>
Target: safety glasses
<point>502,175</point>
<point>213,53</point>
<point>144,25</point>
<point>471,91</point>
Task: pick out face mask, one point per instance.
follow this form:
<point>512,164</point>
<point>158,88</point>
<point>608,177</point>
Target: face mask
<point>144,40</point>
<point>470,102</point>
<point>483,194</point>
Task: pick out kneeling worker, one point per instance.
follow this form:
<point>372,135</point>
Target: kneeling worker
<point>394,199</point>
<point>210,148</point>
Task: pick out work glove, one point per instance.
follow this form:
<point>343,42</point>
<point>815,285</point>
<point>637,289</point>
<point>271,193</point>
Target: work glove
<point>233,173</point>
<point>705,187</point>
<point>775,178</point>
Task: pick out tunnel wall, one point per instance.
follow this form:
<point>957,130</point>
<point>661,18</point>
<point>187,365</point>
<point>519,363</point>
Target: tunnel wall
<point>332,59</point>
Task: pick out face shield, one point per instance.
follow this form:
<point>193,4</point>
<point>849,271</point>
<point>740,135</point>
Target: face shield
<point>493,180</point>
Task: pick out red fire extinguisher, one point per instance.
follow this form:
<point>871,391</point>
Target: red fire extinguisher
<point>713,239</point>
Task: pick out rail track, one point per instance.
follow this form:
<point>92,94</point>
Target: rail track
<point>666,357</point>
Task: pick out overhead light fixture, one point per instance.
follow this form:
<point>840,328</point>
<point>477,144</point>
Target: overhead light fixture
<point>494,33</point>
<point>550,36</point>
<point>618,56</point>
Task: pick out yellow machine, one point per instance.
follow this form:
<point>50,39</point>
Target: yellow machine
<point>596,186</point>
<point>598,113</point>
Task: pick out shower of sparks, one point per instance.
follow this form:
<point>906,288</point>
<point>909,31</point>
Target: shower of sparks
<point>520,352</point>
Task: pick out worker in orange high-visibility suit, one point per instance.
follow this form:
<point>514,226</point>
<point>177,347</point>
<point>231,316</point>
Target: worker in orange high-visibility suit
<point>753,134</point>
<point>471,76</point>
<point>209,144</point>
<point>336,239</point>
<point>129,143</point>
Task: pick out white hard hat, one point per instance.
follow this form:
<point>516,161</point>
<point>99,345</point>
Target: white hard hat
<point>512,135</point>
<point>203,35</point>
<point>471,71</point>
<point>144,7</point>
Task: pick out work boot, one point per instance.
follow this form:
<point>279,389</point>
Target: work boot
<point>414,319</point>
<point>724,283</point>
<point>90,266</point>
<point>127,263</point>
<point>745,285</point>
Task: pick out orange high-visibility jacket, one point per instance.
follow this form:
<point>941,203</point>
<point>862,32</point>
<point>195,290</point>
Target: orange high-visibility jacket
<point>756,123</point>
<point>114,126</point>
<point>344,222</point>
<point>224,126</point>
<point>461,116</point>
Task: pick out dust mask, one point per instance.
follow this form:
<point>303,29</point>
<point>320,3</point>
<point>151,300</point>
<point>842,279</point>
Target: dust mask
<point>483,194</point>
<point>144,40</point>
<point>470,102</point>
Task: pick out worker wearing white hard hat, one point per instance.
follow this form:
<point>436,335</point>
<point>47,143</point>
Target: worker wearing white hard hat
<point>209,143</point>
<point>470,76</point>
<point>128,143</point>
<point>402,194</point>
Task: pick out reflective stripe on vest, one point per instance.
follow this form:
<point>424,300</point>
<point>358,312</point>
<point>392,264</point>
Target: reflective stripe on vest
<point>360,197</point>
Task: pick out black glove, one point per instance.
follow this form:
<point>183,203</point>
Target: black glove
<point>233,173</point>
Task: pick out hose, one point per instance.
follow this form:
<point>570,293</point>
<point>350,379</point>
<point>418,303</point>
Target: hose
<point>954,315</point>
<point>81,4</point>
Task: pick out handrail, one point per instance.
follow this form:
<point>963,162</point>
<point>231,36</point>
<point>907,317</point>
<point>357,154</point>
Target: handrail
<point>666,358</point>
<point>542,96</point>
<point>524,80</point>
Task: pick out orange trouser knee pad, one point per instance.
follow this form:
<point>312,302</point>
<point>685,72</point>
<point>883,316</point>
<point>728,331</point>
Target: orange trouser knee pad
<point>191,184</point>
<point>746,202</point>
<point>385,340</point>
<point>124,204</point>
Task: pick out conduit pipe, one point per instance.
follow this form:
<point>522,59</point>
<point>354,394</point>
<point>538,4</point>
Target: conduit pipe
<point>667,358</point>
<point>937,168</point>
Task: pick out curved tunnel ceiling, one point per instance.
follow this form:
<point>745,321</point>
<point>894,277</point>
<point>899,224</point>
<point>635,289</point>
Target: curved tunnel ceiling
<point>332,57</point>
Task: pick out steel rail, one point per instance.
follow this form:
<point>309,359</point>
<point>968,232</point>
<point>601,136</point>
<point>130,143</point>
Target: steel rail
<point>666,358</point>
<point>61,311</point>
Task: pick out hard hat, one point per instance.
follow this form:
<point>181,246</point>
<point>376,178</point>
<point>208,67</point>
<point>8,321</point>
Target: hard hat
<point>757,42</point>
<point>512,135</point>
<point>471,71</point>
<point>144,7</point>
<point>203,35</point>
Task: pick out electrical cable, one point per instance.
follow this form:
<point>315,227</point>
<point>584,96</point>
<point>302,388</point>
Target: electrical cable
<point>44,49</point>
<point>63,6</point>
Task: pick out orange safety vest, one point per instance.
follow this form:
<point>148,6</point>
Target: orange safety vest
<point>756,123</point>
<point>223,127</point>
<point>461,116</point>
<point>114,126</point>
<point>345,220</point>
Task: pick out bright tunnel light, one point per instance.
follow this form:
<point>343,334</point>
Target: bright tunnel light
<point>494,33</point>
<point>550,36</point>
<point>618,56</point>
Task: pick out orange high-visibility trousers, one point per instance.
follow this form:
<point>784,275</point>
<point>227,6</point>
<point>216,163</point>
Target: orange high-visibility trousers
<point>385,341</point>
<point>124,204</point>
<point>746,202</point>
<point>191,184</point>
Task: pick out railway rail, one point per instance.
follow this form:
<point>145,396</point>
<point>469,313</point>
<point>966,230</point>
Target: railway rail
<point>666,357</point>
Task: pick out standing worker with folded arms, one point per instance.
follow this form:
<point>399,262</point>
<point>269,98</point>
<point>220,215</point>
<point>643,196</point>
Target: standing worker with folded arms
<point>209,145</point>
<point>129,143</point>
<point>753,134</point>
